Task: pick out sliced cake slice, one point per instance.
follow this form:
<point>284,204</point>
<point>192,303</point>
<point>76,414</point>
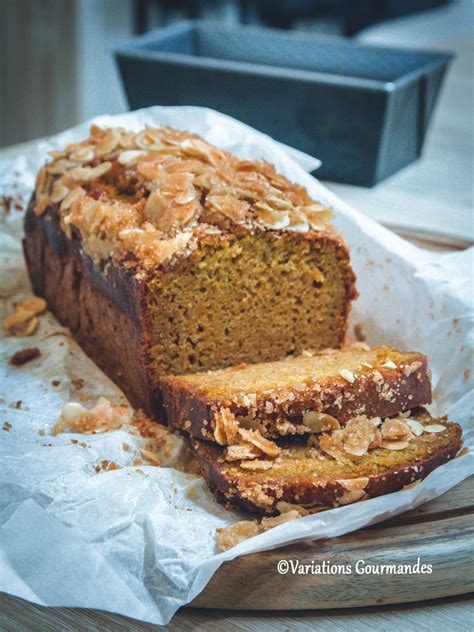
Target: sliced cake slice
<point>362,460</point>
<point>289,396</point>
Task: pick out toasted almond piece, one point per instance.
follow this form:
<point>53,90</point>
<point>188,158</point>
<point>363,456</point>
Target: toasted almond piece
<point>395,429</point>
<point>320,422</point>
<point>59,192</point>
<point>131,155</point>
<point>353,484</point>
<point>434,428</point>
<point>269,523</point>
<point>389,364</point>
<point>283,507</point>
<point>394,445</point>
<point>415,427</point>
<point>347,375</point>
<point>73,410</point>
<point>20,323</point>
<point>36,305</point>
<point>376,439</point>
<point>357,435</point>
<point>351,496</point>
<point>367,365</point>
<point>82,154</point>
<point>73,196</point>
<point>375,421</point>
<point>463,451</point>
<point>255,438</point>
<point>256,464</point>
<point>230,536</point>
<point>242,451</point>
<point>225,427</point>
<point>108,142</point>
<point>411,368</point>
<point>30,327</point>
<point>150,456</point>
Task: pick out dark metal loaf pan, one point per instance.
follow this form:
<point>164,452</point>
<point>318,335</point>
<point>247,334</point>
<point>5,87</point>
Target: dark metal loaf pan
<point>363,110</point>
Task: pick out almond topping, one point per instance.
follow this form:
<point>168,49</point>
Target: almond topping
<point>320,422</point>
<point>353,484</point>
<point>395,429</point>
<point>347,375</point>
<point>390,364</point>
<point>270,523</point>
<point>434,428</point>
<point>351,497</point>
<point>242,451</point>
<point>284,507</point>
<point>415,427</point>
<point>255,438</point>
<point>395,445</point>
<point>228,537</point>
<point>36,305</point>
<point>225,427</point>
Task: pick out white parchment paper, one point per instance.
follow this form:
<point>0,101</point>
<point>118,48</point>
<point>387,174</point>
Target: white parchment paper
<point>141,541</point>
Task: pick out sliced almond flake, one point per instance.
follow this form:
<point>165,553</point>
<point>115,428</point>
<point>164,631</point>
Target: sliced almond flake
<point>59,192</point>
<point>242,451</point>
<point>395,429</point>
<point>320,422</point>
<point>394,445</point>
<point>19,317</point>
<point>415,427</point>
<point>108,142</point>
<point>82,154</point>
<point>375,421</point>
<point>230,536</point>
<point>36,305</point>
<point>150,456</point>
<point>354,484</point>
<point>390,364</point>
<point>347,375</point>
<point>270,523</point>
<point>367,365</point>
<point>130,156</point>
<point>434,428</point>
<point>351,497</point>
<point>283,507</point>
<point>255,438</point>
<point>73,196</point>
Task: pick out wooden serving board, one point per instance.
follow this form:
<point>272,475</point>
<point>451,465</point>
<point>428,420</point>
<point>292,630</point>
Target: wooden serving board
<point>440,533</point>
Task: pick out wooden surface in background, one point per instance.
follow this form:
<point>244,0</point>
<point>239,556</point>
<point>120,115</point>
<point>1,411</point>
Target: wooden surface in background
<point>439,532</point>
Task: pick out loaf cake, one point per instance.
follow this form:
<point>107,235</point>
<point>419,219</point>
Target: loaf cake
<point>365,459</point>
<point>288,396</point>
<point>165,255</point>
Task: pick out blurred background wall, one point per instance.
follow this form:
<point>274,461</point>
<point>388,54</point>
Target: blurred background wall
<point>57,66</point>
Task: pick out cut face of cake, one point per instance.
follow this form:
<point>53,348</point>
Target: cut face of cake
<point>166,255</point>
<point>365,459</point>
<point>297,395</point>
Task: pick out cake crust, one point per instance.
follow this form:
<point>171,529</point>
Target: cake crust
<point>274,397</point>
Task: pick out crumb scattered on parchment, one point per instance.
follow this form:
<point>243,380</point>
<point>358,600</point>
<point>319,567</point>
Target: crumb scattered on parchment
<point>230,536</point>
<point>41,433</point>
<point>6,426</point>
<point>102,417</point>
<point>106,466</point>
<point>21,357</point>
<point>156,444</point>
<point>55,382</point>
<point>78,383</point>
<point>358,333</point>
<point>23,320</point>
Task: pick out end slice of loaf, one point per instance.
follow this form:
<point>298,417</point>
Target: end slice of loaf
<point>280,398</point>
<point>305,475</point>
